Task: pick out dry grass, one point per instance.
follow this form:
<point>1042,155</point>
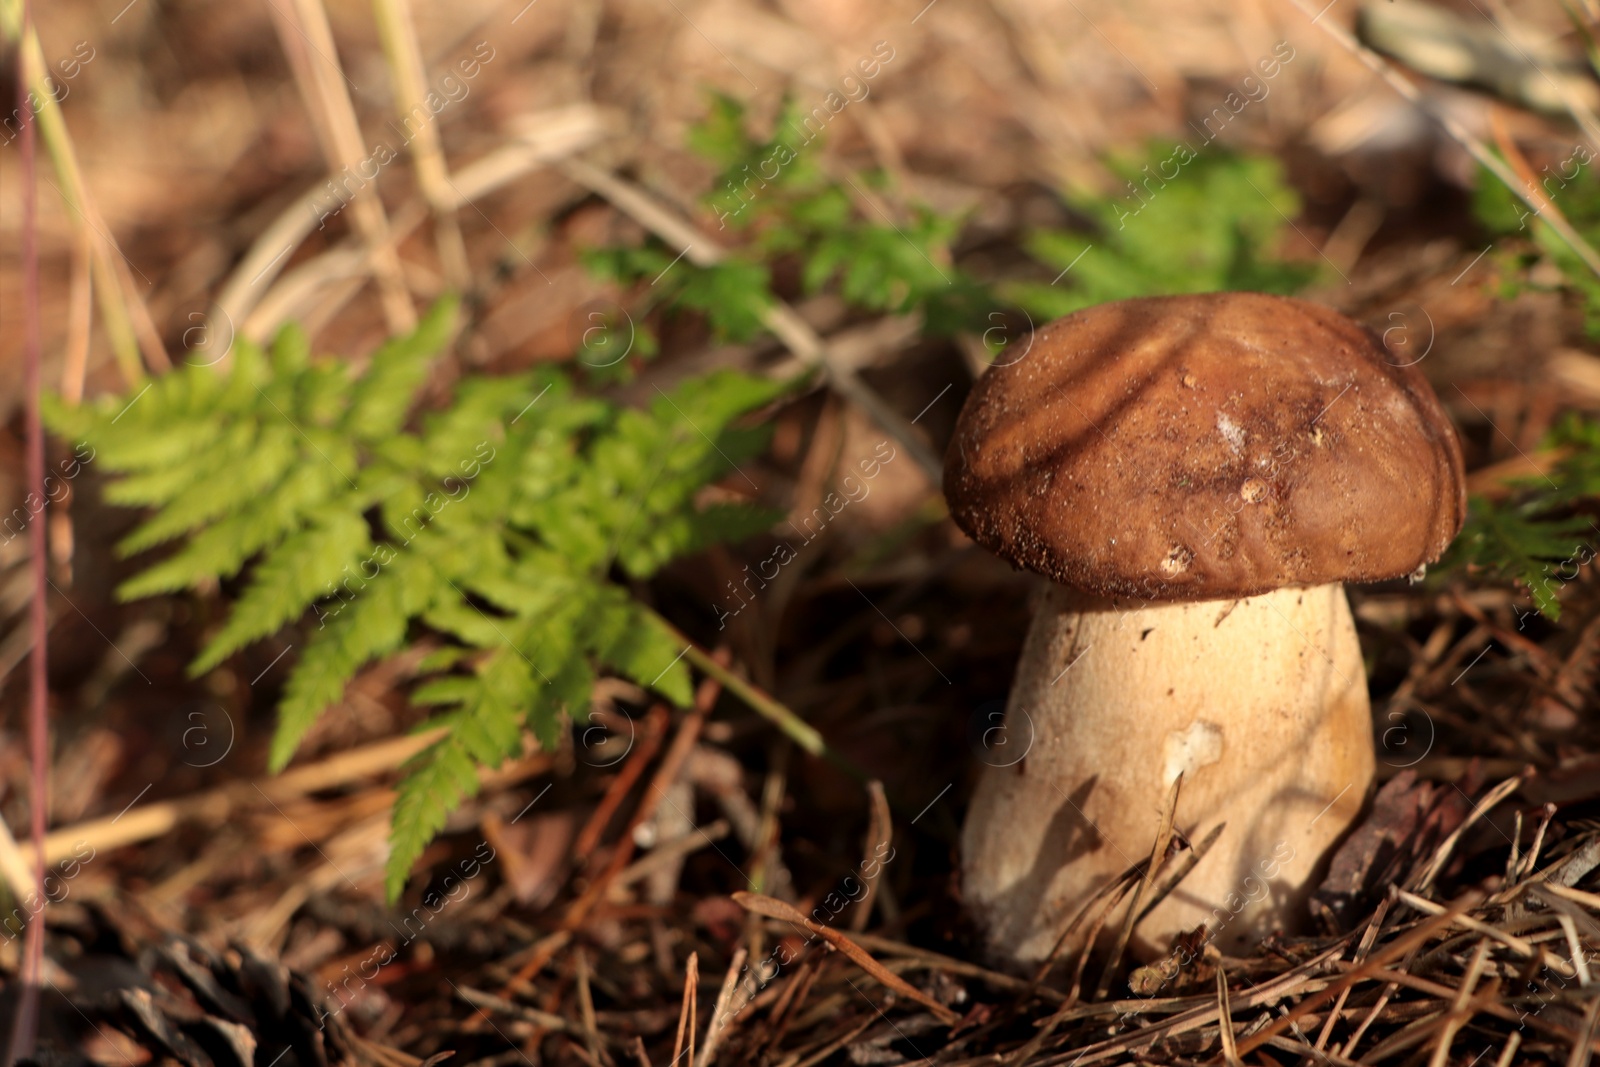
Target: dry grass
<point>638,880</point>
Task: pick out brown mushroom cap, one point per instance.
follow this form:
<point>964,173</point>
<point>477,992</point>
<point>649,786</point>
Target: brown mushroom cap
<point>1208,446</point>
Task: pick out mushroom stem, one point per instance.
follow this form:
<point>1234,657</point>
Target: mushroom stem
<point>1260,703</point>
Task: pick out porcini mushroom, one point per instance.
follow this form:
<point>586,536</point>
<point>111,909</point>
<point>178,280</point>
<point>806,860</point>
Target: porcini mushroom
<point>1197,475</point>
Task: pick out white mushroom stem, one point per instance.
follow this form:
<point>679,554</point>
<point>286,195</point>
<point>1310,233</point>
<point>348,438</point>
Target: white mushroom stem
<point>1260,703</point>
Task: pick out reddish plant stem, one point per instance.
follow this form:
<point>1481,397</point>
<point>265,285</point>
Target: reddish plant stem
<point>25,1025</point>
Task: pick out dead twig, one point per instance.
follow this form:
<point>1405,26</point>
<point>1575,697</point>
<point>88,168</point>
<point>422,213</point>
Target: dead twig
<point>777,909</point>
<point>1459,133</point>
<point>398,32</point>
<point>307,41</point>
<point>784,322</point>
<point>214,805</point>
<point>1158,853</point>
<point>1442,854</point>
<point>880,829</point>
<point>687,1013</point>
<point>718,1025</point>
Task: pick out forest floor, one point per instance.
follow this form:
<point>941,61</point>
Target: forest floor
<point>579,909</point>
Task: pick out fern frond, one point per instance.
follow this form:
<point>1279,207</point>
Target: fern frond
<point>1212,229</point>
<point>385,393</point>
<point>143,447</point>
<point>638,646</point>
<point>287,582</point>
<point>483,731</point>
<point>436,782</point>
<point>222,549</point>
<point>498,522</point>
<point>354,628</point>
<point>240,469</point>
<point>1541,527</point>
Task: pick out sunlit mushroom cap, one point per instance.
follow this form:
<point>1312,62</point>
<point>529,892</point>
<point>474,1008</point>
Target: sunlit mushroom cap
<point>1207,446</point>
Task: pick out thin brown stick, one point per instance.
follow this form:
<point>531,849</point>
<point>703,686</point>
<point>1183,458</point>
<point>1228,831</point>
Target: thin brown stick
<point>880,830</point>
<point>1158,853</point>
<point>1024,1054</point>
<point>1198,1013</point>
<point>398,32</point>
<point>788,1006</point>
<point>1583,1047</point>
<point>1479,810</point>
<point>1119,891</point>
<point>717,1027</point>
<point>666,775</point>
<point>159,817</point>
<point>1521,946</point>
<point>777,909</point>
<point>655,726</point>
<point>671,765</point>
<point>766,855</point>
<point>1459,133</point>
<point>784,322</point>
<point>477,998</point>
<point>828,1048</point>
<point>307,41</point>
<point>687,1013</point>
<point>950,965</point>
<point>1106,897</point>
<point>1531,860</point>
<point>1415,939</point>
<point>1180,870</point>
<point>26,1021</point>
<point>780,715</point>
<point>591,1033</point>
<point>1460,1010</point>
<point>1370,935</point>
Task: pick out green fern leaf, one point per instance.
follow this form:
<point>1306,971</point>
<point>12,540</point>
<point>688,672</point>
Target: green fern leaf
<point>350,633</point>
<point>1539,530</point>
<point>501,519</point>
<point>222,549</point>
<point>141,447</point>
<point>398,369</point>
<point>285,583</point>
<point>436,783</point>
<point>240,469</point>
<point>638,645</point>
<point>483,732</point>
<point>1210,229</point>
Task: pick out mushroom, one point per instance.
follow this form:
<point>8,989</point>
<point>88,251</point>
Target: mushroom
<point>1197,475</point>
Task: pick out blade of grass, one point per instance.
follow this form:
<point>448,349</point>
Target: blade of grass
<point>568,130</point>
<point>784,322</point>
<point>128,324</point>
<point>80,318</point>
<point>25,1025</point>
<point>1459,133</point>
<point>1517,34</point>
<point>307,41</point>
<point>779,714</point>
<point>398,32</point>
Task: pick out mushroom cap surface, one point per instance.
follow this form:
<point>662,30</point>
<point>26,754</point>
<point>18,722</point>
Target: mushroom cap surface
<point>1207,446</point>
